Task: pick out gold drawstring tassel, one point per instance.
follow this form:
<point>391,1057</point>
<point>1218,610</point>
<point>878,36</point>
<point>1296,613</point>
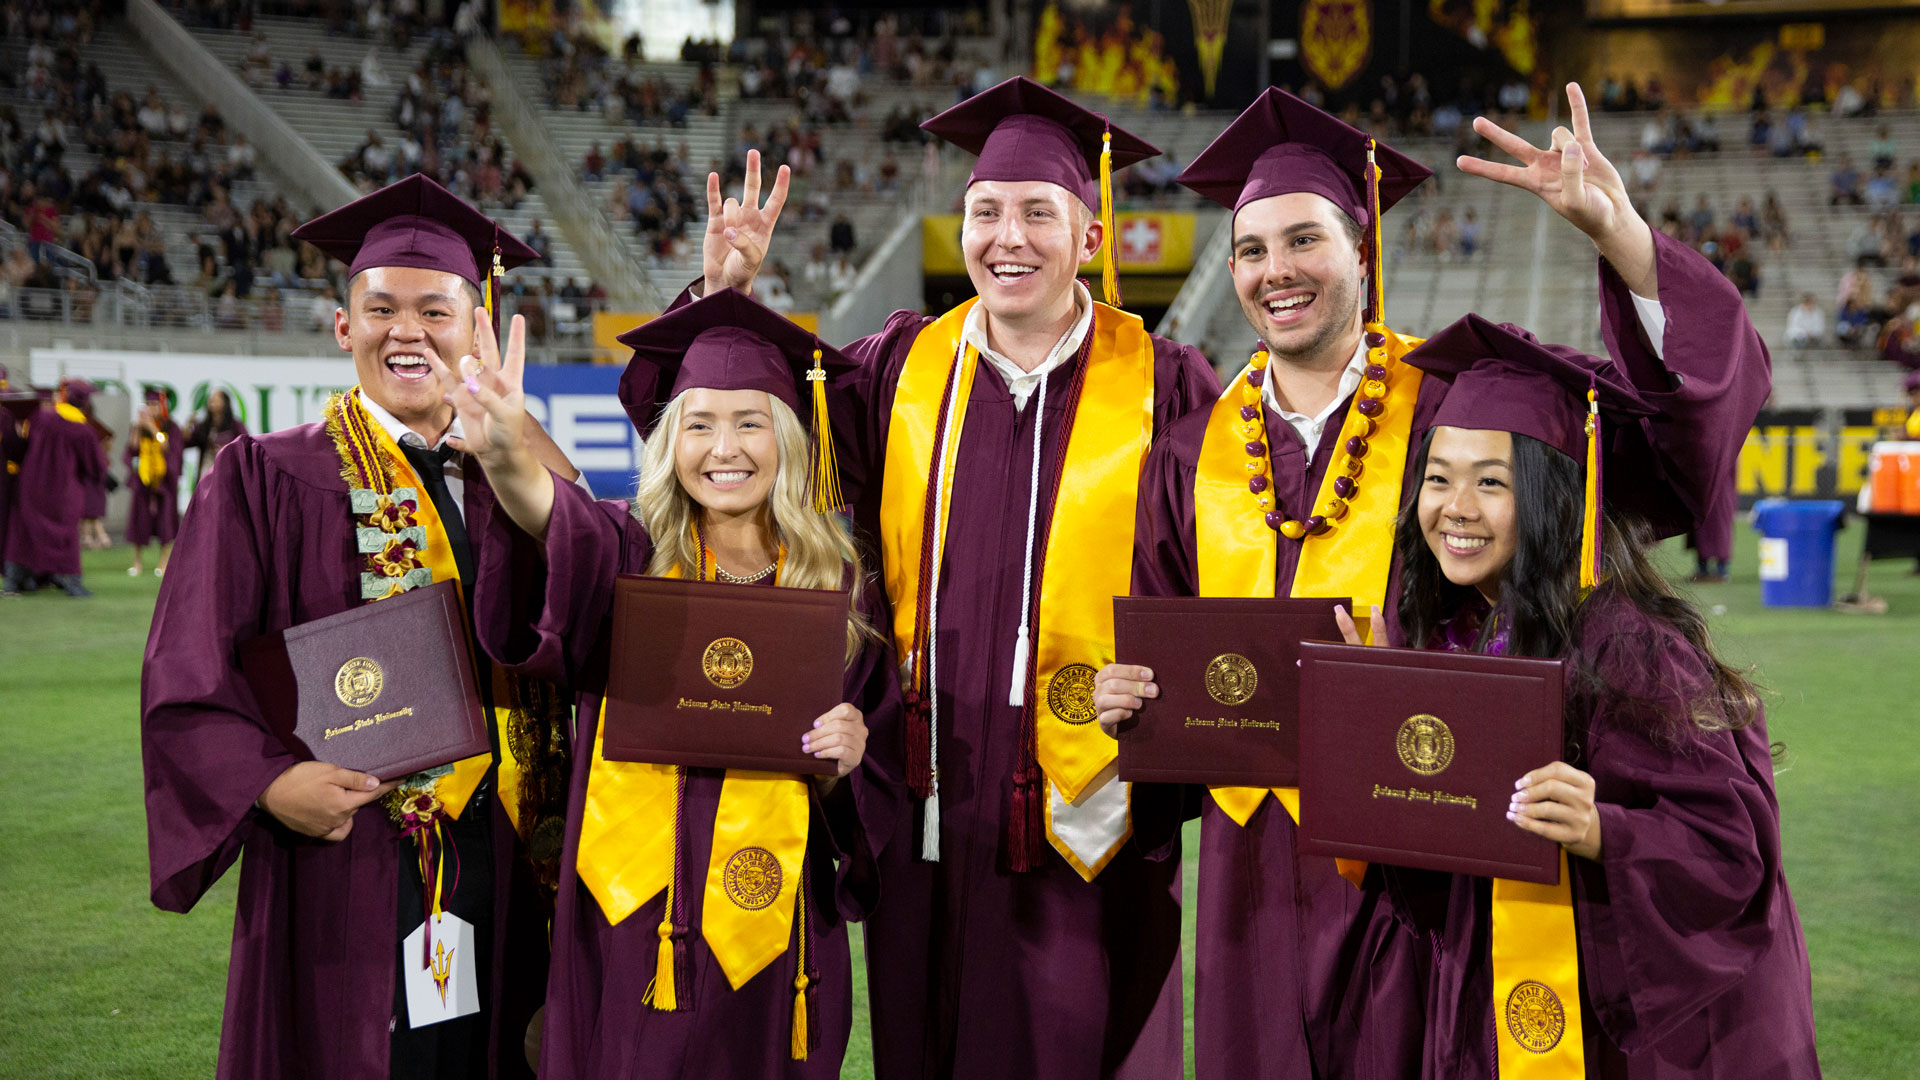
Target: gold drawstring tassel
<point>1590,514</point>
<point>826,475</point>
<point>1110,254</point>
<point>1377,262</point>
<point>664,992</point>
<point>801,1030</point>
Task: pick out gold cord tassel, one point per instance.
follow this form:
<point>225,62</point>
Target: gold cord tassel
<point>801,1030</point>
<point>1590,513</point>
<point>1377,263</point>
<point>663,993</point>
<point>826,475</point>
<point>1110,248</point>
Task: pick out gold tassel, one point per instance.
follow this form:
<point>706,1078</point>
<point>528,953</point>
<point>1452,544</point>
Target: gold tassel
<point>1377,263</point>
<point>1110,255</point>
<point>798,1049</point>
<point>663,993</point>
<point>826,476</point>
<point>1590,514</point>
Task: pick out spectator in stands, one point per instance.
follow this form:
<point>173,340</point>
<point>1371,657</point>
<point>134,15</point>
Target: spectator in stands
<point>321,307</point>
<point>1746,219</point>
<point>538,240</point>
<point>1760,134</point>
<point>1844,188</point>
<point>815,272</point>
<point>774,291</point>
<point>840,237</point>
<point>1868,244</point>
<point>316,70</point>
<point>1773,223</point>
<point>154,269</point>
<point>1700,221</point>
<point>273,311</point>
<point>1806,323</point>
<point>1644,171</point>
<point>1852,321</point>
<point>594,167</point>
<point>1900,340</point>
<point>241,159</point>
<point>841,275</point>
<point>1882,190</point>
<point>1469,234</point>
<point>1882,149</point>
<point>1740,268</point>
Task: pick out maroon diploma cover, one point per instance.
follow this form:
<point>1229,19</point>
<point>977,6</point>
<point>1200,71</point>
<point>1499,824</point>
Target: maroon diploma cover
<point>1228,705</point>
<point>1408,757</point>
<point>722,676</point>
<point>385,688</point>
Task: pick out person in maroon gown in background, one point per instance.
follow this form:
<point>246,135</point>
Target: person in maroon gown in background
<point>1691,960</point>
<point>723,494</point>
<point>977,967</point>
<point>93,502</point>
<point>62,459</point>
<point>213,430</point>
<point>154,452</point>
<point>330,888</point>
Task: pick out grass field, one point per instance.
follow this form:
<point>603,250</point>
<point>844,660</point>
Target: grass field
<point>94,982</point>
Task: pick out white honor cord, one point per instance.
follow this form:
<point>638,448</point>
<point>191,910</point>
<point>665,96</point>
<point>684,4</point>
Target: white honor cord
<point>1017,692</point>
<point>930,821</point>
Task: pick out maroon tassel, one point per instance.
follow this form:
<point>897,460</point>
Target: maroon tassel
<point>682,970</point>
<point>919,745</point>
<point>1025,835</point>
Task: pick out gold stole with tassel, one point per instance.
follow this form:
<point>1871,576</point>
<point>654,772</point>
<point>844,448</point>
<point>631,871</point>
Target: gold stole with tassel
<point>1089,551</point>
<point>754,889</point>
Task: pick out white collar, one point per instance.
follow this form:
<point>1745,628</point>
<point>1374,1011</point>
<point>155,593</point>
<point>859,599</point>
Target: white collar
<point>1349,382</point>
<point>974,333</point>
<point>401,433</point>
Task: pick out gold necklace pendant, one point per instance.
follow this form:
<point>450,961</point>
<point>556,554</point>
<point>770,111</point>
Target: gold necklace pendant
<point>736,579</point>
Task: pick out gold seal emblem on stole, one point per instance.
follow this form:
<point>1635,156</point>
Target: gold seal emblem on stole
<point>1231,679</point>
<point>751,878</point>
<point>727,662</point>
<point>1425,744</point>
<point>357,684</point>
<point>1070,693</point>
<point>1535,1017</point>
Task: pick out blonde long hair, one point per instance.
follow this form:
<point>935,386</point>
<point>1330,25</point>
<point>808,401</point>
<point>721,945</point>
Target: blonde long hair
<point>820,552</point>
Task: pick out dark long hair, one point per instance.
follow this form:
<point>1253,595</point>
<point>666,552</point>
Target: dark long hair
<point>1541,608</point>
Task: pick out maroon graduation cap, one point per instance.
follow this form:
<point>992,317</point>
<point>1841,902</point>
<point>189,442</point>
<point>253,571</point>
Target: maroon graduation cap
<point>1502,378</point>
<point>1280,145</point>
<point>1022,131</point>
<point>416,222</point>
<point>730,341</point>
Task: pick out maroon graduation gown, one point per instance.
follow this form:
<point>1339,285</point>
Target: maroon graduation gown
<point>1692,961</point>
<point>93,497</point>
<point>62,459</point>
<point>153,514</point>
<point>554,623</point>
<point>13,448</point>
<point>1298,973</point>
<point>267,544</point>
<point>974,971</point>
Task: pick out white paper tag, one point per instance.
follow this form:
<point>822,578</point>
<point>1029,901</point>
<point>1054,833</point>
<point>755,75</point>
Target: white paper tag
<point>1773,558</point>
<point>442,988</point>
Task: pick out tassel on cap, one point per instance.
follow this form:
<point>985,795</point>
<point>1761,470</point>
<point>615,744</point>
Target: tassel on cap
<point>1110,245</point>
<point>1590,512</point>
<point>1376,261</point>
<point>826,474</point>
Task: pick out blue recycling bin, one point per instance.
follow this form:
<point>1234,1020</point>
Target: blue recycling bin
<point>1796,550</point>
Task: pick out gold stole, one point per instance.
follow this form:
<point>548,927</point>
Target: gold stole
<point>153,458</point>
<point>1237,551</point>
<point>1089,552</point>
<point>629,834</point>
<point>1535,951</point>
<point>68,412</point>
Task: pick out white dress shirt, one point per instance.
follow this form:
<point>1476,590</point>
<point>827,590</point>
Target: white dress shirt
<point>406,436</point>
<point>1021,384</point>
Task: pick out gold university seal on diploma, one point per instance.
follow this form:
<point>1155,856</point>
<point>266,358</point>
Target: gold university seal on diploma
<point>1070,693</point>
<point>727,662</point>
<point>1424,743</point>
<point>1231,679</point>
<point>1535,1017</point>
<point>357,683</point>
<point>751,878</point>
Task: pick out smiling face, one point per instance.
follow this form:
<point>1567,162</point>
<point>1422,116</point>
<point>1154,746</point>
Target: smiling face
<point>396,317</point>
<point>1466,506</point>
<point>1297,271</point>
<point>1023,243</point>
<point>725,451</point>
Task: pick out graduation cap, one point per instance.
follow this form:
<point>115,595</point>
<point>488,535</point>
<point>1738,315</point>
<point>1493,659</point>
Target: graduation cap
<point>730,341</point>
<point>416,222</point>
<point>1501,378</point>
<point>78,392</point>
<point>1022,131</point>
<point>1280,145</point>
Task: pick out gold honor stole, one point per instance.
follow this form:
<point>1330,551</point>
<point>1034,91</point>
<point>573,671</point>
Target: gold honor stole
<point>1535,950</point>
<point>1238,551</point>
<point>1089,552</point>
<point>629,840</point>
<point>153,458</point>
